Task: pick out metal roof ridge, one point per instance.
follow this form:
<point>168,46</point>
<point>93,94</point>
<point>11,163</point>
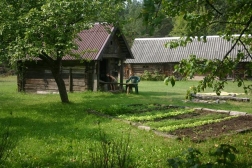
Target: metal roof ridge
<point>170,38</point>
<point>157,38</point>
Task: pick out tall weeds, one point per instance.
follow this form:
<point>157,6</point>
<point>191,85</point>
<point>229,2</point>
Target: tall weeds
<point>111,153</point>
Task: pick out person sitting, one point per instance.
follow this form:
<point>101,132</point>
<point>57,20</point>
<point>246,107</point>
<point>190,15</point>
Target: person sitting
<point>112,79</point>
<point>134,83</point>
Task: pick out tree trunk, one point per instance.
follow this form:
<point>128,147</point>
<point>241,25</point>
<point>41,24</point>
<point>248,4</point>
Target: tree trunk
<point>55,66</point>
<point>60,82</point>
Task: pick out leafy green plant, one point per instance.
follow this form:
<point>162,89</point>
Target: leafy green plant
<point>194,124</point>
<point>146,75</point>
<point>157,76</point>
<point>190,158</point>
<point>225,156</point>
<point>170,79</point>
<point>151,116</point>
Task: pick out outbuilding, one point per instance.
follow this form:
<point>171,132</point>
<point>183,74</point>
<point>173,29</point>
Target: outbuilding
<point>102,50</point>
<point>150,54</point>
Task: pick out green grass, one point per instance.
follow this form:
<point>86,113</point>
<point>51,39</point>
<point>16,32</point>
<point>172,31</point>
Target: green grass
<point>47,133</point>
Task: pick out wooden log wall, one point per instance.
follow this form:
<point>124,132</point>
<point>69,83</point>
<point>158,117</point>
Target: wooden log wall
<point>242,70</point>
<point>38,78</point>
<point>138,69</point>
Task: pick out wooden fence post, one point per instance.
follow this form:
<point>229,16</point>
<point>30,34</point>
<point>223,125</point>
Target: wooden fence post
<point>70,80</point>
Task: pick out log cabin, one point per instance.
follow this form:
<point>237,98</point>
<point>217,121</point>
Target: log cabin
<point>107,50</point>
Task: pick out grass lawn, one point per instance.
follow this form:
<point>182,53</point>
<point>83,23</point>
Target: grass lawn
<point>46,133</point>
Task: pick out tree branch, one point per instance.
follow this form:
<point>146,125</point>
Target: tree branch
<point>239,38</point>
<point>245,47</point>
<point>46,58</point>
<point>207,1</point>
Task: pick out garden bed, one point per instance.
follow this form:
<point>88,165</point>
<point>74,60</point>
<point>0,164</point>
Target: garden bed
<point>196,124</point>
<point>238,124</point>
<point>178,122</point>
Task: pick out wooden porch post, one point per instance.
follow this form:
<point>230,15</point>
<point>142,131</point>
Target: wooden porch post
<point>96,76</point>
<point>121,74</point>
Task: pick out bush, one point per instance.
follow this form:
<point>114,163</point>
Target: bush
<point>224,157</point>
<point>155,76</point>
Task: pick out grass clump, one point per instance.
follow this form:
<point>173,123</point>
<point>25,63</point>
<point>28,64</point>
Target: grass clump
<point>111,153</point>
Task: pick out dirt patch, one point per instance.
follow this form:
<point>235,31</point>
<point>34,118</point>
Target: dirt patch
<point>204,132</point>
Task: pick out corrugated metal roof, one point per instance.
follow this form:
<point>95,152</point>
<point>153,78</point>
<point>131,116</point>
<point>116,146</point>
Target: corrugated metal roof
<point>91,42</point>
<point>152,50</point>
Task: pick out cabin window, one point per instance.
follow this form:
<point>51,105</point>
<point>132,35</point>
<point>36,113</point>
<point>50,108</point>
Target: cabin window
<point>145,66</point>
<point>111,42</point>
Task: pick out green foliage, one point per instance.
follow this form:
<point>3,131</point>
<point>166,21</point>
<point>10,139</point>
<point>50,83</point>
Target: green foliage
<point>155,76</point>
<point>179,28</point>
<point>191,157</point>
<point>146,75</point>
<point>197,19</point>
<point>116,109</point>
<point>216,80</point>
<point>133,28</point>
<point>170,79</point>
<point>224,154</point>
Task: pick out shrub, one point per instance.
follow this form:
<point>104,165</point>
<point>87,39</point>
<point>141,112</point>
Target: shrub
<point>155,76</point>
<point>224,155</point>
<point>146,76</point>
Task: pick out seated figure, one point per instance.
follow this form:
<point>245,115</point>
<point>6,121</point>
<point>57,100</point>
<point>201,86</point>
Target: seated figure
<point>134,80</point>
<point>112,79</point>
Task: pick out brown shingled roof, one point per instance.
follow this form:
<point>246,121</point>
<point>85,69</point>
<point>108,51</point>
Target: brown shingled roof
<point>92,42</point>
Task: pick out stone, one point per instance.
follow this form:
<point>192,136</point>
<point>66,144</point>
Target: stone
<point>233,113</point>
<point>146,128</point>
<point>197,109</point>
<point>208,110</point>
<point>222,111</point>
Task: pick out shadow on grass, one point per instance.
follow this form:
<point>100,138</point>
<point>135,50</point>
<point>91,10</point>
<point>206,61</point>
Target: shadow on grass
<point>155,93</point>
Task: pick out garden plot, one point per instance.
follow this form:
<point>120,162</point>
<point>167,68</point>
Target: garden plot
<point>198,125</point>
